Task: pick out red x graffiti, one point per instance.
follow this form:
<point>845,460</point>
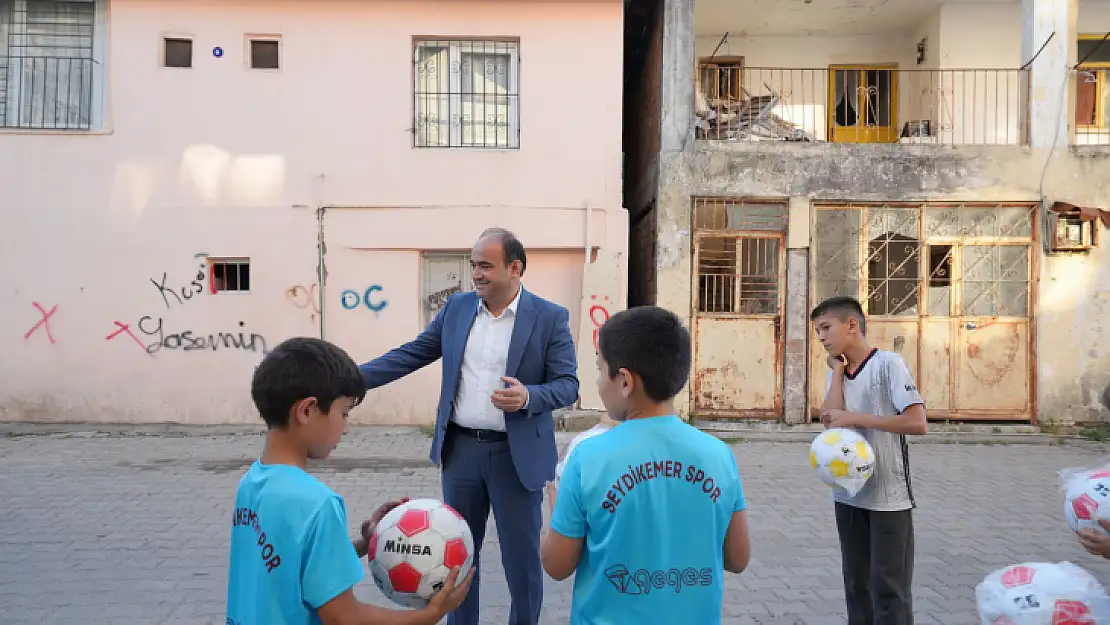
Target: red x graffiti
<point>43,323</point>
<point>124,327</point>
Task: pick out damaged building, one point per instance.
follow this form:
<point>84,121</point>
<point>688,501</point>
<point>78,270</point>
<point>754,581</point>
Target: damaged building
<point>947,163</point>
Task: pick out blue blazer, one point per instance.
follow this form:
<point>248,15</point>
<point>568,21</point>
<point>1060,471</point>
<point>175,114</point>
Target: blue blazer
<point>541,355</point>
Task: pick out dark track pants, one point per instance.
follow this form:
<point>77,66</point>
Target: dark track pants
<point>876,550</point>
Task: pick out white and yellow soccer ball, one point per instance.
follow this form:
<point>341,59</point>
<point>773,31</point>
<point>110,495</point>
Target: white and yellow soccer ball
<point>843,459</point>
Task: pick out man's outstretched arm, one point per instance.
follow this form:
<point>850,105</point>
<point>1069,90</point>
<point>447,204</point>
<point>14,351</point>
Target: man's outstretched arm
<point>401,361</point>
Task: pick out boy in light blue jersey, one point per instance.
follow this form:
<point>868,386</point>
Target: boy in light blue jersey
<point>292,562</point>
<point>650,515</point>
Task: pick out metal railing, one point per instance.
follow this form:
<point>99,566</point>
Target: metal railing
<point>1092,106</point>
<point>46,92</point>
<point>857,104</point>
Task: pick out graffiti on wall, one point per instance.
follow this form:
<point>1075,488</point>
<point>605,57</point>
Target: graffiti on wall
<point>43,323</point>
<point>153,327</point>
<point>192,340</point>
<point>439,298</point>
<point>306,298</point>
<point>599,314</point>
<point>185,293</point>
<point>351,299</point>
<point>125,328</point>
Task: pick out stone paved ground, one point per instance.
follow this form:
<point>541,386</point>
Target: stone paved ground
<point>133,529</point>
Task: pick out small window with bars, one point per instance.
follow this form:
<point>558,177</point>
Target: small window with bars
<point>738,274</point>
<point>719,79</point>
<point>229,275</point>
<point>48,74</point>
<point>466,94</point>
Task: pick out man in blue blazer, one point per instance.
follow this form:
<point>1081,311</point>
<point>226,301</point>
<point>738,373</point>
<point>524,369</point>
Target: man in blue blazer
<point>508,361</point>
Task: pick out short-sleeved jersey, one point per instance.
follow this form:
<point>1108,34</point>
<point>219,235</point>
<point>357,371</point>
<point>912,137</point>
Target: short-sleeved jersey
<point>882,386</point>
<point>290,551</point>
<point>652,499</point>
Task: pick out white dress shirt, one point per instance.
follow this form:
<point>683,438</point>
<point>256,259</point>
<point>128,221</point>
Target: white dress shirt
<point>483,365</point>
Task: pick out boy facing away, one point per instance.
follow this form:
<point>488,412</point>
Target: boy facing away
<point>292,562</point>
<point>650,514</point>
<point>872,391</point>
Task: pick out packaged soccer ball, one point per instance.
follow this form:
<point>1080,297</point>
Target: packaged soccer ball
<point>1038,593</point>
<point>1086,498</point>
<point>843,459</point>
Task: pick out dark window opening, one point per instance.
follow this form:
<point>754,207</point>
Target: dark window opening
<point>940,265</point>
<point>265,54</point>
<point>230,275</point>
<point>178,52</point>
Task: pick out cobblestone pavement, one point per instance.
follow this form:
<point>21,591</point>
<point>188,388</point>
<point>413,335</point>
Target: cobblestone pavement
<point>133,529</point>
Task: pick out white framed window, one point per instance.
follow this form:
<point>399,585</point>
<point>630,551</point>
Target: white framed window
<point>52,55</point>
<point>466,93</point>
<point>444,275</point>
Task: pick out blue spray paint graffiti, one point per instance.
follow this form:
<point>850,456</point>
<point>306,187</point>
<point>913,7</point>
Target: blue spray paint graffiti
<point>350,299</point>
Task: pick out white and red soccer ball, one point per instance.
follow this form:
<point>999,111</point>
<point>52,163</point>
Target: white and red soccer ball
<point>414,548</point>
<point>1087,500</point>
<point>1038,593</point>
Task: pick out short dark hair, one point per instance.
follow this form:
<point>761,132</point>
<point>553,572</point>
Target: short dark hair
<point>510,245</point>
<point>303,367</point>
<point>650,342</point>
<point>843,307</point>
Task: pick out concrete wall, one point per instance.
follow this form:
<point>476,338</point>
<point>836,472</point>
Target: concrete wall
<point>221,160</point>
<point>1074,290</point>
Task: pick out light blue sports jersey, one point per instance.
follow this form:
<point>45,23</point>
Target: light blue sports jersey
<point>290,551</point>
<point>653,499</point>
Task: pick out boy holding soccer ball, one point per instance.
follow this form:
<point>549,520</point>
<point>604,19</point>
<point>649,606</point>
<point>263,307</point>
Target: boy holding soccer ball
<point>292,562</point>
<point>649,515</point>
<point>872,391</point>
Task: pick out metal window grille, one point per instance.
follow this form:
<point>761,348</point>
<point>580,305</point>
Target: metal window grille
<point>230,275</point>
<point>466,94</point>
<point>46,73</point>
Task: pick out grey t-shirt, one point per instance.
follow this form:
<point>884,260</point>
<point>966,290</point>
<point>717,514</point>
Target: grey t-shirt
<point>882,386</point>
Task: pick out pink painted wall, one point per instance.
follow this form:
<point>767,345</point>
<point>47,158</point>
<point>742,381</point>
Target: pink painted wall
<point>227,161</point>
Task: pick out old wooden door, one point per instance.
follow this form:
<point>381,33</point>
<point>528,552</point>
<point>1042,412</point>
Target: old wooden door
<point>738,303</point>
<point>992,333</point>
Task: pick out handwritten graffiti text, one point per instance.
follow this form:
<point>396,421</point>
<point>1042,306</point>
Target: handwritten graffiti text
<point>350,299</point>
<point>181,294</point>
<point>191,341</point>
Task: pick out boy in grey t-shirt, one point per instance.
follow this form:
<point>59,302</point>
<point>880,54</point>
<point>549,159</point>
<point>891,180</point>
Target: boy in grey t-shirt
<point>872,391</point>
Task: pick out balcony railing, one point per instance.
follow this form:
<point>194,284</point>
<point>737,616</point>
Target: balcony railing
<point>1092,106</point>
<point>859,104</point>
<point>46,92</point>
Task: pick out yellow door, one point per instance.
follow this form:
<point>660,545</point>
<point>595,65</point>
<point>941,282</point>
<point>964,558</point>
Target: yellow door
<point>738,304</point>
<point>863,104</point>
